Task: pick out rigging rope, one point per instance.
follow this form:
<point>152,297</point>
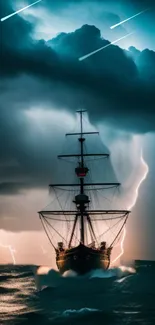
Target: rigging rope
<point>55,230</point>
<point>47,233</point>
<point>109,229</point>
<point>120,230</point>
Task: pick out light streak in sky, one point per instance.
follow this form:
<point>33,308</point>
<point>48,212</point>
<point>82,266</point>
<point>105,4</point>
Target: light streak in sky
<point>124,21</point>
<point>11,250</point>
<point>103,47</point>
<point>20,10</point>
<point>146,170</point>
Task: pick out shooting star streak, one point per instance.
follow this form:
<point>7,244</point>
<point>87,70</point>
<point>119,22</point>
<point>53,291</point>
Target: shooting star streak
<point>11,250</point>
<point>132,205</point>
<point>124,21</point>
<point>20,10</point>
<point>104,47</point>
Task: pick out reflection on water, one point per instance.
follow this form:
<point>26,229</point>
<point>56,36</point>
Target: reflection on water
<point>117,297</point>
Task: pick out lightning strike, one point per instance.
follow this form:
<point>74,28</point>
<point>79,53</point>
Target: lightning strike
<point>124,21</point>
<point>132,205</point>
<point>142,179</point>
<point>11,250</point>
<point>20,10</point>
<point>43,250</point>
<point>103,47</point>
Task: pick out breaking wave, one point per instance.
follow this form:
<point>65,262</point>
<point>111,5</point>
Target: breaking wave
<point>117,296</point>
<point>48,277</point>
<point>82,311</point>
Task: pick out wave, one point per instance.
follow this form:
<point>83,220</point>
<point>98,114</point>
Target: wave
<point>4,290</point>
<point>48,277</point>
<point>70,312</point>
<point>117,272</point>
<point>81,316</point>
<point>4,277</point>
<point>116,296</point>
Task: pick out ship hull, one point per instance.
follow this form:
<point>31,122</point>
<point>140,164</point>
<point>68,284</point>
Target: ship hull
<point>82,260</point>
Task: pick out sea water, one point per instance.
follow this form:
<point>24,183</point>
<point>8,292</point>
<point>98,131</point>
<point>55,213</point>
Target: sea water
<point>41,296</point>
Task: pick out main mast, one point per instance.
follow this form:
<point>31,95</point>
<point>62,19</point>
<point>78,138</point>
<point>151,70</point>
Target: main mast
<point>81,140</point>
<point>82,199</point>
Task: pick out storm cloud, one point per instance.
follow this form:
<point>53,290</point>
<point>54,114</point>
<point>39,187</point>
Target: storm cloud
<point>43,83</point>
<point>115,82</point>
<point>115,86</point>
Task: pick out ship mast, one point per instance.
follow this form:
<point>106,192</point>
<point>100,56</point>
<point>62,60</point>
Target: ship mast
<point>81,140</point>
<point>82,212</point>
<point>82,199</point>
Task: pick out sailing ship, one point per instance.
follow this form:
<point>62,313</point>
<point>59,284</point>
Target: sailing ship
<point>88,252</point>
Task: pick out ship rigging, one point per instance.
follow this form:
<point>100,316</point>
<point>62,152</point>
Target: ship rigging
<point>88,251</point>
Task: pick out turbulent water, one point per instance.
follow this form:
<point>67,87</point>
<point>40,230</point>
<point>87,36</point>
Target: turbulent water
<point>116,297</point>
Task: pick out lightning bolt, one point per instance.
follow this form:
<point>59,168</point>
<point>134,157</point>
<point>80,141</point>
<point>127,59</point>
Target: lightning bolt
<point>43,250</point>
<point>17,12</point>
<point>146,170</point>
<point>11,250</point>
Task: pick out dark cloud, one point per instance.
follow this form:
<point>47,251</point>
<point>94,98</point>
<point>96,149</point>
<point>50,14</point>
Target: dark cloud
<point>116,86</point>
<point>141,3</point>
<point>11,188</point>
<point>109,80</point>
<point>64,3</point>
<point>15,32</point>
<point>145,62</point>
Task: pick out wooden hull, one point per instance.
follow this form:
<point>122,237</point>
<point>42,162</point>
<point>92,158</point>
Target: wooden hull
<point>82,259</point>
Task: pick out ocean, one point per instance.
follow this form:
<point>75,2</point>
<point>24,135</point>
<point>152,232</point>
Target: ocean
<point>118,296</point>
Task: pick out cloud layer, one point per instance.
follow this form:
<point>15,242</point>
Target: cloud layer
<point>115,86</point>
<point>115,82</point>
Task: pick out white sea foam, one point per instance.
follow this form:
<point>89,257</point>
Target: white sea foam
<point>48,277</point>
<point>70,273</point>
<point>71,312</point>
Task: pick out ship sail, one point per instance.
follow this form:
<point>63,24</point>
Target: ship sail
<point>81,211</point>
